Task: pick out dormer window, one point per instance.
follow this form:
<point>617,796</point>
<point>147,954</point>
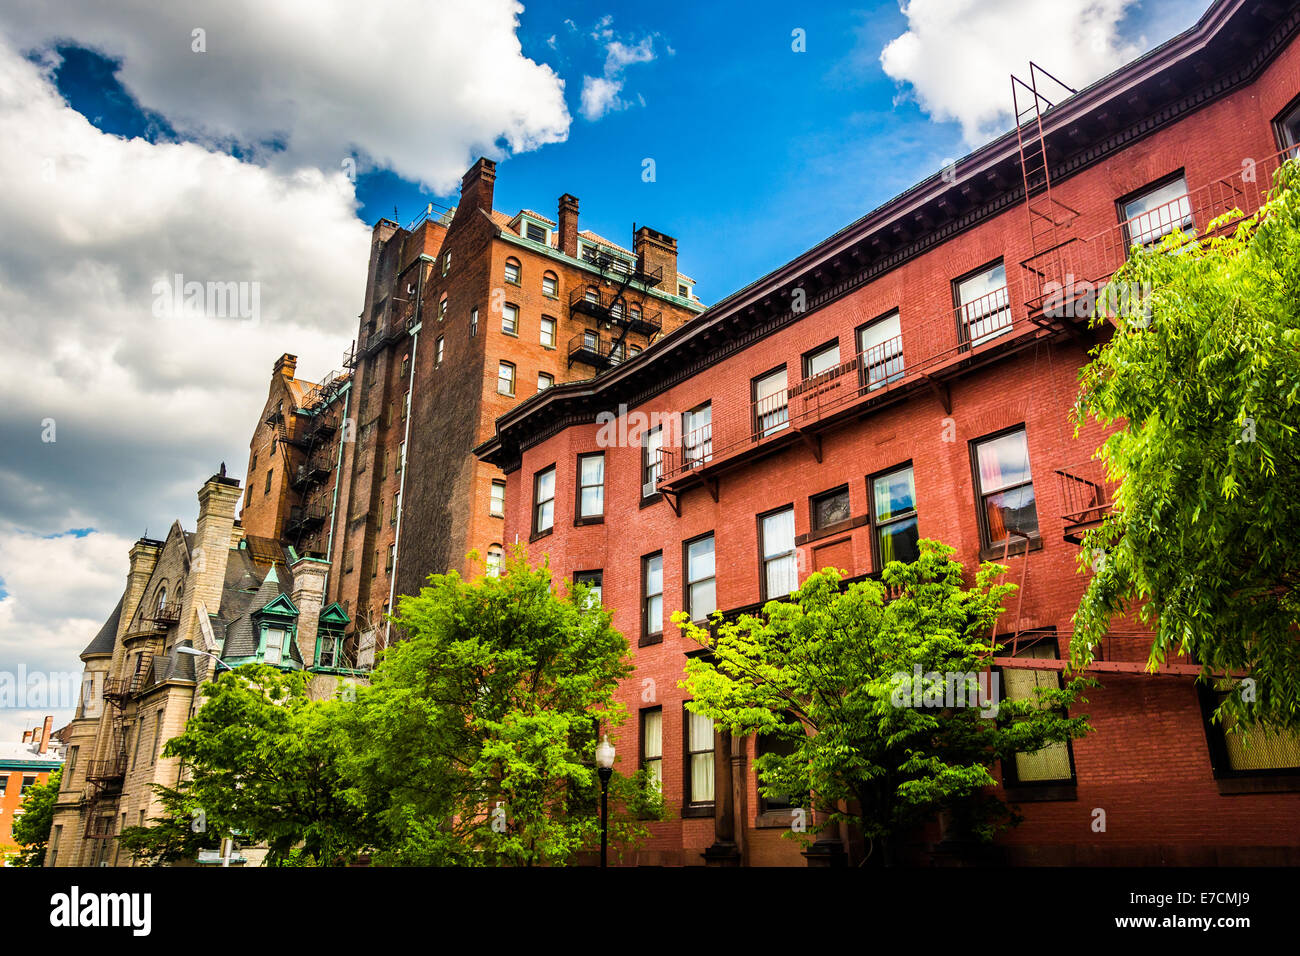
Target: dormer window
<point>534,232</point>
<point>276,639</point>
<point>683,290</point>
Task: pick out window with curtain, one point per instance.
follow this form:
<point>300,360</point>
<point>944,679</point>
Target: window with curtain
<point>274,650</point>
<point>701,593</point>
<point>1052,764</point>
<point>893,516</point>
<point>510,319</point>
<point>983,306</point>
<point>652,743</point>
<point>652,594</point>
<point>780,574</point>
<point>591,485</point>
<point>881,347</point>
<point>550,285</point>
<point>497,507</point>
<point>699,758</point>
<point>1006,488</point>
<point>548,332</point>
<point>544,500</point>
<point>512,271</point>
<point>771,403</point>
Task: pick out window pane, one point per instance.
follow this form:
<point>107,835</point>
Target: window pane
<point>1271,751</point>
<point>881,345</point>
<point>895,494</point>
<point>702,777</point>
<point>1003,462</point>
<point>1011,512</point>
<point>1053,761</point>
<point>823,361</point>
<point>546,485</point>
<point>654,614</point>
<point>654,574</point>
<point>699,559</point>
<point>697,434</point>
<point>770,402</point>
<point>898,542</point>
<point>782,576</point>
<point>983,300</point>
<point>703,600</point>
<point>778,533</point>
<point>593,501</point>
<point>652,734</point>
<point>593,470</point>
<point>1155,214</point>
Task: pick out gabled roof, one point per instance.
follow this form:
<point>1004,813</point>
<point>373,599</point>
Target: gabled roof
<point>596,237</point>
<point>106,639</point>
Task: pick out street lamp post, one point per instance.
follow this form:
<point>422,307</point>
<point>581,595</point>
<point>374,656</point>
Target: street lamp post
<point>605,768</point>
<point>195,652</point>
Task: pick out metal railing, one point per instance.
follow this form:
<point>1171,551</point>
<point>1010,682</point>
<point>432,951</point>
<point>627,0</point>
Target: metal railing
<point>1084,494</point>
<point>1095,258</point>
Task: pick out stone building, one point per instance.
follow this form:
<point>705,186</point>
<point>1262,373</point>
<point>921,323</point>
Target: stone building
<point>193,602</point>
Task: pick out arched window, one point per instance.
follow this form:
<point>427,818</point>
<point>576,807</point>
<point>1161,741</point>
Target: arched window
<point>513,271</point>
<point>160,600</point>
<point>550,285</point>
<point>496,560</point>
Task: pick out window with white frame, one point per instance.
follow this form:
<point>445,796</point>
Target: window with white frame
<point>548,332</point>
<point>880,343</point>
<point>497,505</point>
<point>701,591</point>
<point>510,319</point>
<point>780,576</point>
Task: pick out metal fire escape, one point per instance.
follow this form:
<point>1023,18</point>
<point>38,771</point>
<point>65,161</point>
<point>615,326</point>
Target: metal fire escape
<point>315,424</point>
<point>1046,215</point>
<point>612,309</point>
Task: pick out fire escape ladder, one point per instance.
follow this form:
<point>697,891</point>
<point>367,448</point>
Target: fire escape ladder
<point>1046,216</point>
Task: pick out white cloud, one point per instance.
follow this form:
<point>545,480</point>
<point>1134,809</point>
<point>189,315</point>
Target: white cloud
<point>418,88</point>
<point>61,589</point>
<point>601,94</point>
<point>143,408</point>
<point>956,55</point>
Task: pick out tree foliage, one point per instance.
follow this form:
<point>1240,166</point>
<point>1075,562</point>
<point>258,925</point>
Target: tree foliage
<point>263,762</point>
<point>820,670</point>
<point>174,837</point>
<point>1201,543</point>
<point>31,828</point>
<point>475,742</point>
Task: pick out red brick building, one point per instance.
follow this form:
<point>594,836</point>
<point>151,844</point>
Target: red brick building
<point>466,314</point>
<point>912,376</point>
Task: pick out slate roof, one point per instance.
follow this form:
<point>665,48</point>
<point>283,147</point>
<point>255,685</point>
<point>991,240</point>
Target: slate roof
<point>106,639</point>
<point>241,637</point>
<point>175,666</point>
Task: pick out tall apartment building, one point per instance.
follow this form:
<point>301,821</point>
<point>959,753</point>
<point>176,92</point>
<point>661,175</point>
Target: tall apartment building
<point>912,377</point>
<point>191,600</point>
<point>466,314</point>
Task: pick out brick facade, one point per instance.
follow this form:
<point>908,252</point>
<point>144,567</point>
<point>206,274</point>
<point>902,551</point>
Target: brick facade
<point>1201,106</point>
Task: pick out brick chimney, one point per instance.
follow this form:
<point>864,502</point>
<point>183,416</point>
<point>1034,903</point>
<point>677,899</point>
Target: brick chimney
<point>286,365</point>
<point>45,734</point>
<point>654,250</point>
<point>569,225</point>
<point>308,596</point>
<point>477,185</point>
<point>217,500</point>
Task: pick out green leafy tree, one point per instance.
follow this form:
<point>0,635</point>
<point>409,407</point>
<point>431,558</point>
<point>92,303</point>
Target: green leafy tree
<point>174,837</point>
<point>832,671</point>
<point>31,829</point>
<point>1201,543</point>
<point>474,743</point>
<point>263,762</point>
